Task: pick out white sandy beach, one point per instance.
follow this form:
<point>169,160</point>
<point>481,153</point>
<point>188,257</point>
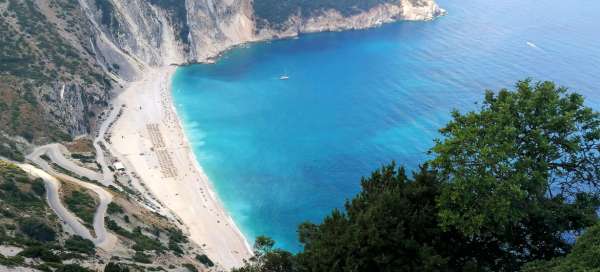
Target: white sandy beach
<point>149,140</point>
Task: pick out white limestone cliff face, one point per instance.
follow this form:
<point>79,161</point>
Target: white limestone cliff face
<point>332,20</point>
<point>217,25</point>
<point>423,10</point>
<point>148,34</point>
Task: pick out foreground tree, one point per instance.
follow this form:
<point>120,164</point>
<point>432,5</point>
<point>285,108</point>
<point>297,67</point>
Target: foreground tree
<point>525,170</point>
<point>267,258</point>
<point>391,225</point>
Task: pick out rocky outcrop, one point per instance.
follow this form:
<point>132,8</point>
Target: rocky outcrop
<point>148,34</point>
<point>333,20</point>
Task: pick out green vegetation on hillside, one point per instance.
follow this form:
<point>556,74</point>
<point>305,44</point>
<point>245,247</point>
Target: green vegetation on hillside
<point>37,54</point>
<point>83,205</point>
<point>116,267</point>
<point>27,222</point>
<point>203,259</point>
<point>141,241</point>
<point>275,13</point>
<point>505,188</point>
<point>23,209</point>
<point>81,245</point>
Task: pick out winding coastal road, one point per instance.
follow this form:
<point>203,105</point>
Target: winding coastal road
<point>54,153</point>
<point>52,186</point>
<point>103,238</point>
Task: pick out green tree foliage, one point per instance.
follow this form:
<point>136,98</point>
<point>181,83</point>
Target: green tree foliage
<point>37,230</point>
<point>266,258</point>
<point>38,187</point>
<point>524,169</point>
<point>81,245</point>
<point>116,267</point>
<point>389,226</point>
<point>73,268</point>
<point>142,242</point>
<point>114,208</point>
<point>203,259</point>
<point>529,149</point>
<point>83,205</point>
<point>40,252</point>
<point>11,261</point>
<point>585,256</point>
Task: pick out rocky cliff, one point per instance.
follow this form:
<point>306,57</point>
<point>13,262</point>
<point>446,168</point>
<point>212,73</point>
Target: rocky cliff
<point>335,20</point>
<point>51,87</point>
<point>155,33</point>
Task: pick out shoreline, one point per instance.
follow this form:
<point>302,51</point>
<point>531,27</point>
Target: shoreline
<point>151,143</point>
<point>198,167</point>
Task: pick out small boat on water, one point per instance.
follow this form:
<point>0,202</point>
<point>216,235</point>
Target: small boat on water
<point>284,77</point>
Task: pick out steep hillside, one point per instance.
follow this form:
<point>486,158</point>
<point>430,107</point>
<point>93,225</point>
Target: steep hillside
<point>50,83</point>
<point>31,235</point>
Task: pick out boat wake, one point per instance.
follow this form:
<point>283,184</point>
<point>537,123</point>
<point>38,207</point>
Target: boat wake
<point>532,45</point>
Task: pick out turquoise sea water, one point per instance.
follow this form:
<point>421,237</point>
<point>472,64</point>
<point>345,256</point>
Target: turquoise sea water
<point>282,152</point>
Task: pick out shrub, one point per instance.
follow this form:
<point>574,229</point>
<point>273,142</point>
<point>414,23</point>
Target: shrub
<point>83,205</point>
<point>73,268</point>
<point>203,259</point>
<point>176,237</point>
<point>38,187</point>
<point>40,252</point>
<point>190,267</point>
<point>37,230</point>
<point>116,267</point>
<point>81,245</point>
<point>114,208</point>
<point>175,248</point>
<point>11,261</point>
<point>140,257</point>
<point>9,186</point>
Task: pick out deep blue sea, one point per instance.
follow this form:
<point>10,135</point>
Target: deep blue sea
<point>282,152</point>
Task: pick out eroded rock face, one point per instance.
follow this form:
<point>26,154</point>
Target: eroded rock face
<point>333,20</point>
<point>145,33</point>
<point>140,32</point>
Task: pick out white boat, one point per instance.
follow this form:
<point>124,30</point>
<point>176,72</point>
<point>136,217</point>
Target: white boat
<point>284,77</point>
